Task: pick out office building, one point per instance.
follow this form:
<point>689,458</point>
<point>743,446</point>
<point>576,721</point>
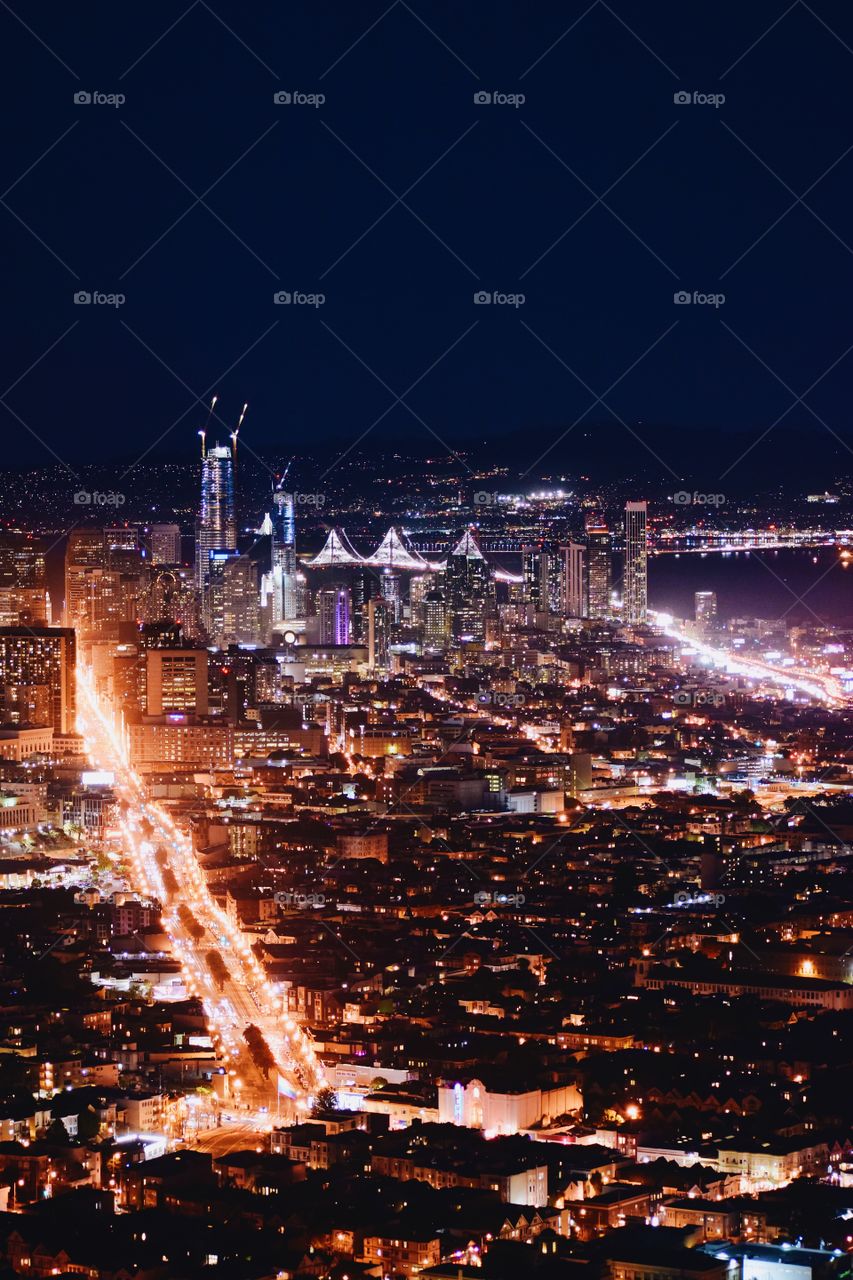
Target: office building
<point>705,608</point>
<point>241,621</point>
<point>164,541</point>
<point>38,677</point>
<point>176,681</point>
<point>434,613</point>
<point>469,589</point>
<point>333,613</point>
<point>286,596</point>
<point>599,570</point>
<point>574,592</point>
<point>121,538</point>
<point>216,528</point>
<point>378,632</point>
<point>635,591</point>
<point>84,552</point>
<point>542,569</point>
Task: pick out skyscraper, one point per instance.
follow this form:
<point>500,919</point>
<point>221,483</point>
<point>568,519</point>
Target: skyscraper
<point>574,586</point>
<point>165,544</point>
<point>598,560</point>
<point>333,611</point>
<point>38,678</point>
<point>635,592</point>
<point>542,568</point>
<point>216,528</point>
<point>469,589</point>
<point>23,590</point>
<point>705,608</point>
<point>84,553</point>
<point>286,594</point>
<point>378,629</point>
<point>241,601</point>
<point>434,621</point>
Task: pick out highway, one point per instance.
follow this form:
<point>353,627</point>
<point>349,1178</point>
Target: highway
<point>825,689</point>
<point>241,995</point>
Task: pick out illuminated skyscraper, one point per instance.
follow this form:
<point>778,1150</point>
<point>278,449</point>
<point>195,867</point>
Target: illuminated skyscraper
<point>574,585</point>
<point>705,608</point>
<point>240,601</point>
<point>434,614</point>
<point>378,632</point>
<point>469,589</point>
<point>38,677</point>
<point>84,553</point>
<point>216,529</point>
<point>635,591</point>
<point>598,560</point>
<point>542,567</point>
<point>333,611</point>
<point>286,594</point>
<point>165,544</point>
<point>23,590</point>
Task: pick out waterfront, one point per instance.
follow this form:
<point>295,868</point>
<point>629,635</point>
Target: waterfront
<point>803,585</point>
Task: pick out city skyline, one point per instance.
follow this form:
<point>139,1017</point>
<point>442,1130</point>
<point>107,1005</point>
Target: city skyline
<point>426,642</point>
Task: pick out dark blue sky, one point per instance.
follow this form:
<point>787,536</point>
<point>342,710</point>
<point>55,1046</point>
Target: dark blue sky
<point>298,198</point>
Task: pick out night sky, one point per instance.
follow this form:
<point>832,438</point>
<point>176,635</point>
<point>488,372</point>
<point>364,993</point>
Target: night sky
<point>399,197</point>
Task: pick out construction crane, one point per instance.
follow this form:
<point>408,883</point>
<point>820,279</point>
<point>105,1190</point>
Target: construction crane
<point>235,433</point>
<point>203,431</point>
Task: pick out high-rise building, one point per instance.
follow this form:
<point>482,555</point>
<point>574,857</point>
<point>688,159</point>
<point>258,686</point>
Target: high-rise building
<point>599,566</point>
<point>469,589</point>
<point>434,613</point>
<point>705,608</point>
<point>635,590</point>
<point>390,588</point>
<point>172,596</point>
<point>213,593</point>
<point>84,552</point>
<point>575,582</point>
<point>216,529</point>
<point>121,537</point>
<point>286,594</point>
<point>542,569</point>
<point>333,611</point>
<point>241,601</point>
<point>24,600</point>
<point>378,632</point>
<point>21,561</point>
<point>176,681</point>
<point>38,677</point>
<point>164,541</point>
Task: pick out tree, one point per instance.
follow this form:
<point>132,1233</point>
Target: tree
<point>325,1100</point>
